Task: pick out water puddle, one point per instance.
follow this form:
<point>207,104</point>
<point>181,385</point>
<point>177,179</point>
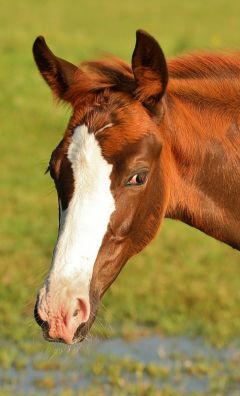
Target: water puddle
<point>177,364</point>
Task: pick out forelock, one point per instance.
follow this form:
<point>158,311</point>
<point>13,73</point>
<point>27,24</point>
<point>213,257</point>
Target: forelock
<point>96,77</point>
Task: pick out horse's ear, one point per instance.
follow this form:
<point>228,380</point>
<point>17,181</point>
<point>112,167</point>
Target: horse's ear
<point>149,68</point>
<point>57,72</point>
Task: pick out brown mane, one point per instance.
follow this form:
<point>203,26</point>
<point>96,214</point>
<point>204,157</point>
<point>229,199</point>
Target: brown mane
<point>215,80</point>
<point>96,76</point>
<point>205,65</point>
<point>210,82</point>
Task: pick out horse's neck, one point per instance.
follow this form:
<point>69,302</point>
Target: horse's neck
<point>205,172</point>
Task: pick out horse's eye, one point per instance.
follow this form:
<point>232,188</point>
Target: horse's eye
<point>138,179</point>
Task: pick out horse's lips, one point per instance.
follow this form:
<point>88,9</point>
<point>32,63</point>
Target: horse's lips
<point>76,340</point>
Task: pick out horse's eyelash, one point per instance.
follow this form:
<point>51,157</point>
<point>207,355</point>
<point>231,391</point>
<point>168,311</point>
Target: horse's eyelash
<point>47,170</point>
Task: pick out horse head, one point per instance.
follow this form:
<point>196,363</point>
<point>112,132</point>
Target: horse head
<point>108,172</point>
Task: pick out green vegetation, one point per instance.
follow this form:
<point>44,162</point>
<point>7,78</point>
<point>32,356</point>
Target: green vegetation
<point>184,282</point>
<point>113,375</point>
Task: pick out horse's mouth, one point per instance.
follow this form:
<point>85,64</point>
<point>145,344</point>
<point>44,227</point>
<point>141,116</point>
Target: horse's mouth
<point>60,340</point>
<point>80,333</point>
<point>79,336</point>
<point>76,339</point>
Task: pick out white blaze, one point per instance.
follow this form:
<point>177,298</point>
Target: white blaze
<point>84,223</point>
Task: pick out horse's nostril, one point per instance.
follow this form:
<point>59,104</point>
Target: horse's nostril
<point>43,324</point>
<point>76,312</point>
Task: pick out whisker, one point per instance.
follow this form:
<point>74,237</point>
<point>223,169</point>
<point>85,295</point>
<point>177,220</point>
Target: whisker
<point>50,192</point>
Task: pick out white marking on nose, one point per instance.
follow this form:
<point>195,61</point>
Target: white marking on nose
<point>84,223</point>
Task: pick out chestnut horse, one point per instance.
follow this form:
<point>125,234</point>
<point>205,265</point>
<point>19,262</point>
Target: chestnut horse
<point>144,142</point>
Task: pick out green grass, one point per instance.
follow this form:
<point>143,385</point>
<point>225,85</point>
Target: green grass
<point>115,375</point>
<point>184,282</point>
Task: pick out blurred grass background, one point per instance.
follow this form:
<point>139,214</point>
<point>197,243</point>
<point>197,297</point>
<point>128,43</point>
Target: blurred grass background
<point>184,282</point>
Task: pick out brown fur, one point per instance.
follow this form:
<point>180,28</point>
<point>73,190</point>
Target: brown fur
<point>179,120</point>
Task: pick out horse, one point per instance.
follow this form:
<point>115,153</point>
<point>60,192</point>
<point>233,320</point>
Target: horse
<point>152,140</point>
